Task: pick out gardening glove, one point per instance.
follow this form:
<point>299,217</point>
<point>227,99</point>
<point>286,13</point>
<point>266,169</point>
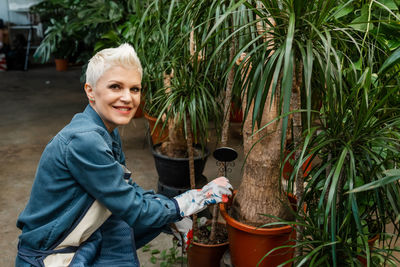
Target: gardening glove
<point>196,200</point>
<point>183,231</point>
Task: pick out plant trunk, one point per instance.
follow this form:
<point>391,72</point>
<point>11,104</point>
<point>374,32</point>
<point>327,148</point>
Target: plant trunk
<point>175,146</point>
<point>191,165</point>
<point>225,127</point>
<point>295,104</point>
<point>260,191</point>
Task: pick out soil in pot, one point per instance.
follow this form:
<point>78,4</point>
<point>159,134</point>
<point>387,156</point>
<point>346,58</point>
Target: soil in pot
<point>203,235</point>
<point>179,153</point>
<point>203,252</point>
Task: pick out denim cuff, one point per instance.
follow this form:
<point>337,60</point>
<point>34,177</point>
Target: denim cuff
<point>178,210</point>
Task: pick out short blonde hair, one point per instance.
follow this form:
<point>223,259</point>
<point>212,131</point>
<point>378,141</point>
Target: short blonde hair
<point>123,55</point>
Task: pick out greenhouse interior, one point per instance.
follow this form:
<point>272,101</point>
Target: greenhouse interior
<point>217,133</point>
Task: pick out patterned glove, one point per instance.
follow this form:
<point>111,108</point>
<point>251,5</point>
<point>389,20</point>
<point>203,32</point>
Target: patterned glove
<point>182,230</point>
<point>194,201</point>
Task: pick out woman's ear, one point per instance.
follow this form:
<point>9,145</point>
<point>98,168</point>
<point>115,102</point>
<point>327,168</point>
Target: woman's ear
<point>89,92</point>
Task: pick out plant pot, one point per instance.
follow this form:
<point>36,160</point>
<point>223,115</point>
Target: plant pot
<point>288,167</point>
<point>61,64</point>
<point>139,111</point>
<point>157,134</point>
<point>171,191</point>
<point>249,244</point>
<point>174,172</point>
<point>236,113</point>
<point>202,255</point>
<point>371,243</point>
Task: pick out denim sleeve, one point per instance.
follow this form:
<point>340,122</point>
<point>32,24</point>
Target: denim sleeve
<point>92,164</point>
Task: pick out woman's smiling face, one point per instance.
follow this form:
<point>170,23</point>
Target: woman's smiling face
<point>116,96</point>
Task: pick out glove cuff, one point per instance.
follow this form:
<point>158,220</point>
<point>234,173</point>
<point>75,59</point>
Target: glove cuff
<point>178,210</point>
<point>190,202</point>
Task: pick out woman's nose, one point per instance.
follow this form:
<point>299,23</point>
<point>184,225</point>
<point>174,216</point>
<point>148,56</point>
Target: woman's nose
<point>126,95</point>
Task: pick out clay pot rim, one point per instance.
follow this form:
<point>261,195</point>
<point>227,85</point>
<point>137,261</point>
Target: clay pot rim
<point>252,229</point>
<point>373,239</point>
<point>149,117</point>
<point>210,246</point>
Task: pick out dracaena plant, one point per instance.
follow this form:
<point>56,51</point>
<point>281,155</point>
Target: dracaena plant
<point>297,56</point>
<point>352,193</point>
<point>292,52</point>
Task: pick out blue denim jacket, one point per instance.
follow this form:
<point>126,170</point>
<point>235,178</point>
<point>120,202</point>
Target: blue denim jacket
<point>80,164</point>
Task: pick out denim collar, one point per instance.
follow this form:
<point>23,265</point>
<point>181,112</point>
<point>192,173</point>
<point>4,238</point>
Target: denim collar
<point>94,116</point>
<point>91,113</point>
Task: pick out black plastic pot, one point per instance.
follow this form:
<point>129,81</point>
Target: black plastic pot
<point>170,191</point>
<point>174,172</point>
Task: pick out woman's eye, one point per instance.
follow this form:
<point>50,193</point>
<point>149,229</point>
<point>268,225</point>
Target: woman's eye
<point>114,86</point>
<point>135,89</point>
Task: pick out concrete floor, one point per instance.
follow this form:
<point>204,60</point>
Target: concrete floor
<point>34,106</point>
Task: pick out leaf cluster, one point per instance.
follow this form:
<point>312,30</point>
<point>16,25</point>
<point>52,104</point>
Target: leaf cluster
<point>73,27</point>
<point>167,257</point>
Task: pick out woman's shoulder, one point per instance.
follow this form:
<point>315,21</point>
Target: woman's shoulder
<point>81,124</point>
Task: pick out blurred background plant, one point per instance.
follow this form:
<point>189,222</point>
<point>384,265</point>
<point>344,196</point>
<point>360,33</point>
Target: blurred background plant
<point>73,27</point>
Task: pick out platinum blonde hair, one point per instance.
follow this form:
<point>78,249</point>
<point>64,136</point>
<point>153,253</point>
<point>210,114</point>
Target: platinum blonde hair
<point>123,55</point>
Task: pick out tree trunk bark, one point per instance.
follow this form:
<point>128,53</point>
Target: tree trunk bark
<point>260,191</point>
<point>175,146</point>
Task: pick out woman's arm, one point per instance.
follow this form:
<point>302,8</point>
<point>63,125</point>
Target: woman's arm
<point>92,164</point>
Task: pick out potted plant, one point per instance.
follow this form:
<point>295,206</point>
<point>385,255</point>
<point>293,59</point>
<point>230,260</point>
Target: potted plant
<point>73,28</point>
<point>190,99</point>
<point>57,43</point>
<point>295,54</point>
<point>183,77</point>
<point>352,193</point>
<point>190,103</point>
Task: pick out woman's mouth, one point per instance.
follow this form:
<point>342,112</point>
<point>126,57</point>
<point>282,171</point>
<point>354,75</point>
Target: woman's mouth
<point>123,110</point>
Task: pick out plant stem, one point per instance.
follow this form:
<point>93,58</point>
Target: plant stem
<point>189,140</point>
<point>225,126</point>
<point>297,131</point>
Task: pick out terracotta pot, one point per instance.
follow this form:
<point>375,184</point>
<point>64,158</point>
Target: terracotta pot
<point>61,64</point>
<point>157,136</point>
<point>249,244</point>
<point>203,255</point>
<point>288,168</point>
<point>236,113</point>
<point>139,111</point>
<point>371,243</point>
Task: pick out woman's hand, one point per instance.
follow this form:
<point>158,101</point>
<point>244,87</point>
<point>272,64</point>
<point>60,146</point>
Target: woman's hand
<point>194,201</point>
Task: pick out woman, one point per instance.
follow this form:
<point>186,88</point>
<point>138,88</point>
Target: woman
<point>84,208</point>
